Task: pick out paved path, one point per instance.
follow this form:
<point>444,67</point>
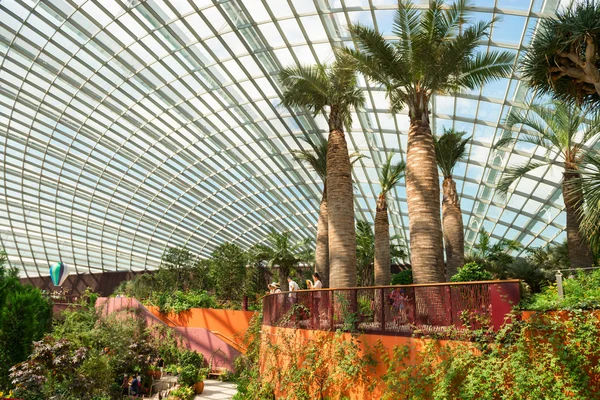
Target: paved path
<point>216,390</point>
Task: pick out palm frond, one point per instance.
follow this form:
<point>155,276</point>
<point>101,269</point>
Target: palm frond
<point>406,26</point>
<point>511,175</point>
<point>590,185</point>
<point>450,148</point>
<point>453,18</point>
<point>453,56</point>
<point>391,174</point>
<point>375,57</point>
<point>354,157</point>
<point>484,68</point>
<point>305,86</point>
<point>317,158</point>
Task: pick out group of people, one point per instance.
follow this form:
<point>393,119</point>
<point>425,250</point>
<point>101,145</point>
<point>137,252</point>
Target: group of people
<point>275,287</point>
<point>132,385</point>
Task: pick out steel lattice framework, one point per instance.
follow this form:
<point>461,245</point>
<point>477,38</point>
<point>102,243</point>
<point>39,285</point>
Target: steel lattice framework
<point>130,126</point>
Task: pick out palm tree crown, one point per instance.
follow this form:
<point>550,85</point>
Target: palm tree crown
<point>557,128</point>
<point>450,148</point>
<point>435,53</point>
<point>319,86</point>
<point>391,174</point>
<point>563,59</point>
<point>317,157</point>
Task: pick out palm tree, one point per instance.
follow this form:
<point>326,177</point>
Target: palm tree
<point>389,177</point>
<point>281,251</point>
<point>334,87</point>
<point>365,252</point>
<point>450,148</point>
<point>496,257</point>
<point>561,129</point>
<point>563,59</point>
<point>317,159</point>
<point>433,54</point>
<point>590,186</point>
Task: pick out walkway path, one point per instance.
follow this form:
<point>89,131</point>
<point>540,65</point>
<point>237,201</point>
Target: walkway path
<point>216,390</point>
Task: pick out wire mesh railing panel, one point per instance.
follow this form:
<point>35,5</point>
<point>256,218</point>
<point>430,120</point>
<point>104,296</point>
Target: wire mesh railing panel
<point>391,310</point>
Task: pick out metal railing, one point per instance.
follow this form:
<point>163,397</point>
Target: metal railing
<point>406,310</point>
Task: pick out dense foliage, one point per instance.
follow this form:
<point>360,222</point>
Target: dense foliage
<point>471,272</point>
<point>403,277</point>
<point>179,301</point>
<point>548,357</point>
<point>580,292</point>
<point>87,355</point>
<point>183,281</point>
<point>25,316</point>
<point>327,366</point>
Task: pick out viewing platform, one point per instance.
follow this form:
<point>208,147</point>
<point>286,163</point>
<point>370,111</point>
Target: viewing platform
<point>405,310</point>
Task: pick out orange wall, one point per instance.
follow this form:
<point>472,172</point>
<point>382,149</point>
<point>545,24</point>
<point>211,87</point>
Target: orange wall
<point>366,341</point>
<point>229,323</point>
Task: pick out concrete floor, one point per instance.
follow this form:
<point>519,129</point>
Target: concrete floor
<point>216,390</point>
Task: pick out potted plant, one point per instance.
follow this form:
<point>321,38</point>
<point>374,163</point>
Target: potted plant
<point>154,371</point>
<point>182,393</point>
<point>199,385</point>
<point>188,375</point>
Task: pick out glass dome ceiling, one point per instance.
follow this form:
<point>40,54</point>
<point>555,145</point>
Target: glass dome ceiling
<point>130,126</point>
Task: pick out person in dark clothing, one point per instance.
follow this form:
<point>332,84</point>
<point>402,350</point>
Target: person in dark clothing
<point>135,386</point>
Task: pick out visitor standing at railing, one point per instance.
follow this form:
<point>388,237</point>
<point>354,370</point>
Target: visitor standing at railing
<point>316,284</point>
<point>293,287</point>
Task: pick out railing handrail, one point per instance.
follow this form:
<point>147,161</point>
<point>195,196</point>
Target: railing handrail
<point>405,286</point>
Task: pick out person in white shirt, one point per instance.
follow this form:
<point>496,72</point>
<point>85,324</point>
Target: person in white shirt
<point>293,285</point>
<point>316,284</point>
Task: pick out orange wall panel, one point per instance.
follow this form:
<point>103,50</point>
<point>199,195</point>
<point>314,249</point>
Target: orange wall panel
<point>359,392</point>
<point>231,324</point>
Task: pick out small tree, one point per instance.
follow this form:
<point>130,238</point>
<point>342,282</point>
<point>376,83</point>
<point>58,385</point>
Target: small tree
<point>179,261</point>
<point>494,257</point>
<point>228,271</point>
<point>282,251</point>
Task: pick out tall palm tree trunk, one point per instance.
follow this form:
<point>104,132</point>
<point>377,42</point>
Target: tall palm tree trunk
<point>382,243</point>
<point>340,207</point>
<point>423,198</point>
<point>322,248</point>
<point>579,252</point>
<point>454,239</point>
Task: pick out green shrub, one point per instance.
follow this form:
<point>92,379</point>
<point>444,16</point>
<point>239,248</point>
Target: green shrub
<point>25,316</point>
<point>180,301</point>
<point>191,357</point>
<point>471,272</point>
<point>580,292</point>
<point>183,392</point>
<point>188,375</point>
<point>403,278</point>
